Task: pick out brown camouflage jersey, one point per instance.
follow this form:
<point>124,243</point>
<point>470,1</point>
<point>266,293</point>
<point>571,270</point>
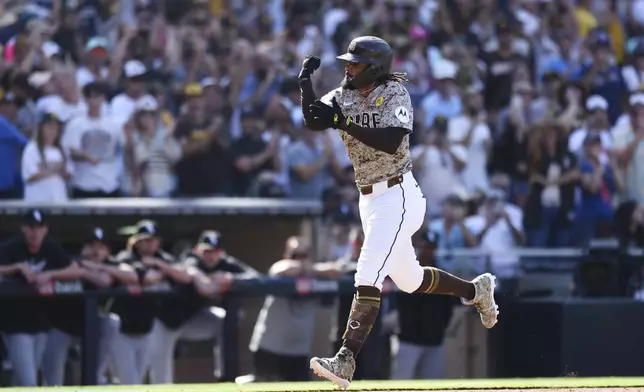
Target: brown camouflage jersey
<point>388,105</point>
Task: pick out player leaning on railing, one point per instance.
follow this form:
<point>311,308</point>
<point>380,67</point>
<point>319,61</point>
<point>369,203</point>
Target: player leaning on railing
<point>33,258</point>
<point>372,111</point>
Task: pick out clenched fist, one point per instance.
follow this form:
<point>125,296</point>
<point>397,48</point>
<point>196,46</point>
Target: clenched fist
<point>309,65</point>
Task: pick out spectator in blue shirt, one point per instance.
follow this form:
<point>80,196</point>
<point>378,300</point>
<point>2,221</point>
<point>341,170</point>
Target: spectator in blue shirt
<point>11,142</point>
<point>602,76</point>
<point>450,229</point>
<point>599,183</point>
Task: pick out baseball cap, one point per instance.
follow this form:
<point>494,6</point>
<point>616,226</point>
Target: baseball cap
<point>550,76</point>
<point>193,90</point>
<point>95,87</point>
<point>39,78</point>
<point>49,117</point>
<point>97,235</point>
<point>504,25</point>
<point>134,69</point>
<point>6,96</point>
<point>418,32</point>
<point>97,43</point>
<point>495,194</point>
<point>208,82</point>
<point>34,217</point>
<point>592,138</point>
<point>596,102</point>
<point>209,239</point>
<point>147,103</point>
<point>141,230</point>
<point>444,69</point>
<point>454,200</point>
<point>440,124</point>
<point>599,38</point>
<point>50,49</point>
<point>636,99</point>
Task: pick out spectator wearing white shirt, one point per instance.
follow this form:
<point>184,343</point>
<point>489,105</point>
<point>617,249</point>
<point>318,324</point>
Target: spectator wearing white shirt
<point>596,122</point>
<point>154,153</point>
<point>438,165</point>
<point>123,105</point>
<point>472,132</point>
<point>96,55</point>
<point>499,230</point>
<point>45,167</point>
<point>629,147</point>
<point>444,100</point>
<point>66,103</point>
<point>95,142</point>
<point>633,73</point>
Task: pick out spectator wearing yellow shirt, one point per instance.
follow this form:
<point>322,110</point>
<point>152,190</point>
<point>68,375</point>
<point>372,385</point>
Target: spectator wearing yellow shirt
<point>585,18</point>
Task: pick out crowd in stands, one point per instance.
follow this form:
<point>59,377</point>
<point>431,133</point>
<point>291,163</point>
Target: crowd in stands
<point>537,102</point>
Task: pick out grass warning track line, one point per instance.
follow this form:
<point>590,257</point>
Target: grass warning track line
<point>563,384</point>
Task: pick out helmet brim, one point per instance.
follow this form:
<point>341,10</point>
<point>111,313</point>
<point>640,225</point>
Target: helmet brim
<point>352,58</point>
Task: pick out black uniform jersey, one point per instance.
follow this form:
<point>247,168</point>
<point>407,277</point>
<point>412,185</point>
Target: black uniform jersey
<point>29,315</point>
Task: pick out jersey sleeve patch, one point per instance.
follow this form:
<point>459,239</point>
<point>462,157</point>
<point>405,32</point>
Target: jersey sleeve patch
<point>402,114</point>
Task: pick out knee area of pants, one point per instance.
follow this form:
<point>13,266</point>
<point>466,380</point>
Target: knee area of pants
<point>410,284</point>
<point>360,282</point>
<point>408,287</point>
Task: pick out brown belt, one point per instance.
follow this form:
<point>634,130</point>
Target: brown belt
<point>368,189</point>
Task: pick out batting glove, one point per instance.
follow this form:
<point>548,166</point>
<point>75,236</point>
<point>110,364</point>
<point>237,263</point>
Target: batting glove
<point>332,116</point>
<point>309,65</point>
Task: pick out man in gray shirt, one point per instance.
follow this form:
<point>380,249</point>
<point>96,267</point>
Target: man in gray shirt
<point>311,161</point>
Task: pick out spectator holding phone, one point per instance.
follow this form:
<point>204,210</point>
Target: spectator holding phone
<point>438,163</point>
<point>599,183</point>
<point>553,174</point>
<point>498,227</point>
<point>450,230</point>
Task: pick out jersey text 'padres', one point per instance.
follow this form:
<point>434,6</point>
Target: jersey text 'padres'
<point>388,105</point>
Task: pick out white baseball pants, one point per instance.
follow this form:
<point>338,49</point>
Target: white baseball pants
<point>131,357</point>
<point>205,325</point>
<point>25,351</point>
<point>57,348</point>
<point>390,216</point>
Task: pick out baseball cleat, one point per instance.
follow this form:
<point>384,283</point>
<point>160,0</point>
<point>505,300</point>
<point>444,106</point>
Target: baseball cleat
<point>484,299</point>
<point>339,369</point>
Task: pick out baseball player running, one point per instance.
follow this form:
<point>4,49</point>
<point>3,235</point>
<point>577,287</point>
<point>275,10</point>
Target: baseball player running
<point>373,111</point>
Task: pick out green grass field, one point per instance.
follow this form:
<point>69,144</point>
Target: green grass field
<point>514,384</point>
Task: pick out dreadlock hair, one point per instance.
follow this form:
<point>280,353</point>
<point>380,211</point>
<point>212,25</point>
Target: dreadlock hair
<point>398,77</point>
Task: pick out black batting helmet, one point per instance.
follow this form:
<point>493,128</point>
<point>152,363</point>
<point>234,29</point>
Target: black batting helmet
<point>373,51</point>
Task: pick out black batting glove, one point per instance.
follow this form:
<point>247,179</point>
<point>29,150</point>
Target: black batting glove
<point>331,116</point>
<point>309,65</point>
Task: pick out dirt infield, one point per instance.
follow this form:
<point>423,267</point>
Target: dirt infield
<point>610,389</point>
